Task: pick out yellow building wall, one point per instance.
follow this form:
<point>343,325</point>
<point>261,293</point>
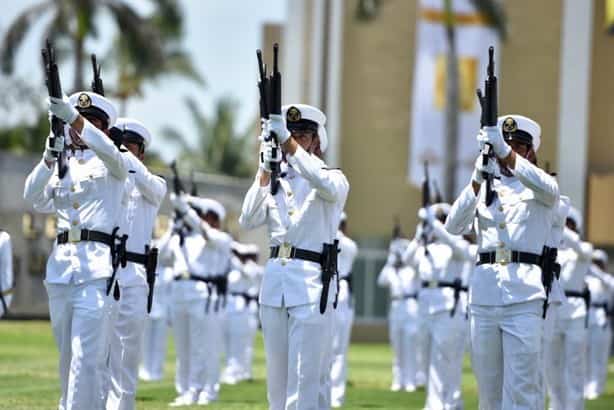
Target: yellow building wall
<point>378,65</point>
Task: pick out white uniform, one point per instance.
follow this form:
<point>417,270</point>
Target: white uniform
<point>565,353</point>
<point>211,261</point>
<point>255,273</point>
<point>601,286</point>
<point>403,318</point>
<point>506,298</point>
<point>463,254</point>
<point>88,197</point>
<point>442,333</point>
<point>188,300</point>
<point>304,214</point>
<point>6,272</point>
<point>343,318</point>
<point>128,315</point>
<point>236,324</point>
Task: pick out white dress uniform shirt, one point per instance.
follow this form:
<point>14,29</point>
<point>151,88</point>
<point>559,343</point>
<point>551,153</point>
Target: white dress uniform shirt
<point>304,213</point>
<point>575,259</point>
<point>88,197</point>
<point>433,267</point>
<point>349,249</point>
<point>519,219</point>
<point>6,270</point>
<point>145,192</point>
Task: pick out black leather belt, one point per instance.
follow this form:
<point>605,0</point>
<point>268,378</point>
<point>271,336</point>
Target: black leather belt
<point>140,258</point>
<point>406,296</point>
<point>87,235</point>
<point>295,253</point>
<point>509,257</point>
<point>575,294</point>
<point>192,276</point>
<point>438,284</point>
<point>602,305</point>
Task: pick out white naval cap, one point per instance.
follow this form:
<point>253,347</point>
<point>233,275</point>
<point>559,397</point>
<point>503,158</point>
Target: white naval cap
<point>399,245</point>
<point>208,205</point>
<point>299,116</point>
<point>575,216</point>
<point>239,248</point>
<point>601,256</point>
<point>252,249</point>
<point>520,127</point>
<point>88,102</point>
<point>135,126</point>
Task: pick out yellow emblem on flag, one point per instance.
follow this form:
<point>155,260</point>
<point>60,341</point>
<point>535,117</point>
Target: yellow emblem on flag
<point>467,73</point>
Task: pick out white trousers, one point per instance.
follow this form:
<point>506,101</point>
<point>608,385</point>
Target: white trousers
<point>298,352</point>
<point>213,346</point>
<point>505,349</point>
<point>565,362</point>
<point>404,328</point>
<point>190,333</point>
<point>126,333</point>
<point>248,357</point>
<point>443,336</point>
<point>153,355</point>
<point>343,317</point>
<point>599,343</point>
<point>78,323</point>
<point>236,338</point>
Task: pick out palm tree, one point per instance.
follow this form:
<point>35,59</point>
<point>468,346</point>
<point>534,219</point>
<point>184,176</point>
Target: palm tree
<point>134,69</point>
<point>493,10</point>
<point>74,21</point>
<point>219,148</point>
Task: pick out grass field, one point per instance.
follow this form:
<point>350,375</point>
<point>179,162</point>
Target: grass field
<point>28,378</point>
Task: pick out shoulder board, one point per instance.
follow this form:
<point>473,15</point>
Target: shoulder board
<point>331,169</point>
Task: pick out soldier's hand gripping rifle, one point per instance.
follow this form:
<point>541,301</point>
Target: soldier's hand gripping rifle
<point>97,85</point>
<point>489,104</point>
<point>426,201</point>
<point>54,87</point>
<point>270,103</point>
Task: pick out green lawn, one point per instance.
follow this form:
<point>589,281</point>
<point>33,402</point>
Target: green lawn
<point>28,378</point>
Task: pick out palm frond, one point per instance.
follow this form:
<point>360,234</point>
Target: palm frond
<point>495,13</point>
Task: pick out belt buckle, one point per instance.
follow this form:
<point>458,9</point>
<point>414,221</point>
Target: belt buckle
<point>285,251</point>
<point>503,256</point>
<point>74,235</point>
<point>432,284</point>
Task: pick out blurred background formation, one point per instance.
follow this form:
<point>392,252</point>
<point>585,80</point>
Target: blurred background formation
<point>396,78</point>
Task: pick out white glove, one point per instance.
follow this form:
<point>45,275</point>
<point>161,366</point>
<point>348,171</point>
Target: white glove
<point>277,125</point>
<point>264,129</point>
<point>494,137</point>
<point>63,109</point>
<point>489,168</point>
<point>53,148</point>
<point>179,202</point>
<point>266,155</point>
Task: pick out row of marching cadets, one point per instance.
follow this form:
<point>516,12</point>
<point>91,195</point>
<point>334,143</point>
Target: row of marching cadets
<point>427,278</point>
<point>552,324</point>
<point>107,313</point>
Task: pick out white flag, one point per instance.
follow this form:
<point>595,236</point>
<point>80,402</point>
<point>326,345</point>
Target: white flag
<point>428,123</point>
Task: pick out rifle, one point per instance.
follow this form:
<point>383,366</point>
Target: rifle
<point>270,103</point>
<point>177,184</point>
<point>438,197</point>
<point>97,85</point>
<point>151,262</point>
<point>194,189</point>
<point>396,230</point>
<point>426,200</point>
<point>489,105</point>
<point>54,87</point>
